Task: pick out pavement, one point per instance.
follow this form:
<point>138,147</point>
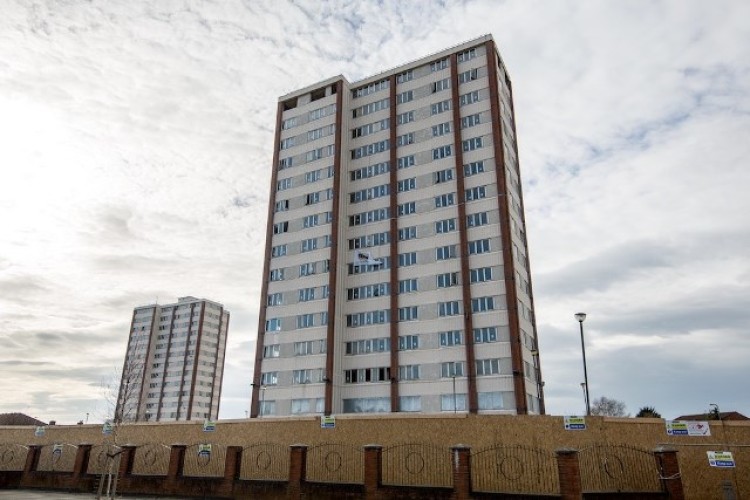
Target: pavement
<point>59,495</point>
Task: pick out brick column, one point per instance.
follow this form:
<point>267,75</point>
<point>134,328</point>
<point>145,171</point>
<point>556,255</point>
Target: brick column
<point>461,472</point>
<point>81,464</point>
<point>373,470</point>
<point>232,468</point>
<point>127,457</point>
<point>297,470</point>
<point>32,459</point>
<point>669,469</point>
<point>176,461</point>
<point>569,472</point>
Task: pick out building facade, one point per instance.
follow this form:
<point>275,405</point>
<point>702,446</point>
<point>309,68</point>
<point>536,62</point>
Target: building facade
<point>174,362</point>
<point>396,274</point>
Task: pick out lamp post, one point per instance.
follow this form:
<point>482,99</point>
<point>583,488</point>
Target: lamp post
<point>580,317</point>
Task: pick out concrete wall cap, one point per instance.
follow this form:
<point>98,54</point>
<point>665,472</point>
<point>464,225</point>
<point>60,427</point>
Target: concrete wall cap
<point>566,451</point>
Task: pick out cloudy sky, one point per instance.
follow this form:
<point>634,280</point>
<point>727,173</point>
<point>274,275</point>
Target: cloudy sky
<point>135,153</point>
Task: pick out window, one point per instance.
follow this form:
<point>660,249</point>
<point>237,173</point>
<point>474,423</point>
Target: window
<point>363,375</point>
<point>487,367</point>
<point>408,342</point>
<point>310,221</point>
<point>438,65</point>
<point>406,161</point>
<point>319,113</point>
<point>368,346</point>
<point>453,402</point>
<point>470,121</point>
<point>280,227</point>
<point>370,240</point>
<point>408,313</point>
<point>407,117</point>
<point>269,378</point>
<point>479,246</point>
<point>451,338</point>
<point>312,176</point>
<point>306,294</point>
<point>371,128</point>
<point>278,251</point>
<point>476,193</point>
<point>306,376</point>
<point>371,149</point>
<point>316,134</point>
<point>443,175</point>
<point>289,123</point>
<point>368,318</point>
<point>405,97</point>
<point>407,184</point>
<point>475,220</point>
<point>274,299</point>
<point>281,206</point>
<point>450,308</point>
<point>408,372</point>
<point>445,252</point>
<point>369,193</point>
<point>273,325</point>
<point>370,171</point>
<point>305,320</point>
<point>405,139</point>
<point>490,400</point>
<point>407,286</point>
<point>406,76</point>
<point>452,369</point>
<point>467,55</point>
<point>303,348</point>
<point>442,152</point>
<point>407,208</point>
<point>440,107</point>
<point>312,198</point>
<point>485,335</point>
<point>285,163</point>
<point>468,76</point>
<point>307,269</point>
<point>410,403</point>
<point>309,244</point>
<point>371,216</point>
<point>445,226</point>
<point>469,98</point>
<point>407,259</point>
<point>271,351</point>
<point>407,233</point>
<point>445,200</point>
<point>472,144</point>
<point>447,280</point>
<point>473,168</point>
<point>277,274</point>
<point>481,274</point>
<point>371,108</point>
<point>367,405</point>
<point>371,88</point>
<point>439,85</point>
<point>368,291</point>
<point>482,304</point>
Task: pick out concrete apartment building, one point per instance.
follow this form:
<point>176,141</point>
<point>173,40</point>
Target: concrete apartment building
<point>174,362</point>
<point>396,274</point>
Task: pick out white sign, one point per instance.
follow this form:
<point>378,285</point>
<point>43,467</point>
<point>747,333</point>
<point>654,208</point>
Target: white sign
<point>204,450</point>
<point>687,428</point>
<point>39,432</point>
<point>362,258</point>
<point>573,423</point>
<point>720,459</point>
<point>209,425</point>
<point>107,428</point>
<point>328,422</point>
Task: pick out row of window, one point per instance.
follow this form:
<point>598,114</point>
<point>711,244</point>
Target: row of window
<point>312,115</point>
<point>311,135</point>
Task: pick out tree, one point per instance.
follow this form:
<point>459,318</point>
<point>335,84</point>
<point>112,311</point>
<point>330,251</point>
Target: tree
<point>648,412</point>
<point>606,407</point>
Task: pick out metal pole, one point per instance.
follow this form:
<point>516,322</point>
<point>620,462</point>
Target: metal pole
<point>455,410</point>
<point>585,373</point>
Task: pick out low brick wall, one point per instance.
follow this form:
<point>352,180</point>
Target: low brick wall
<point>474,432</point>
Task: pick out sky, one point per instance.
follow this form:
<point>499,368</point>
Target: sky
<point>135,159</point>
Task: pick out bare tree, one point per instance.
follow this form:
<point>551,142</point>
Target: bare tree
<point>607,407</point>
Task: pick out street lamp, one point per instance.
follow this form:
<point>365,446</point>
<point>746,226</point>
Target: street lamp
<point>580,317</point>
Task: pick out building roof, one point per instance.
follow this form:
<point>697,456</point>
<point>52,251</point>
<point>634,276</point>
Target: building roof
<point>18,419</point>
<point>724,415</point>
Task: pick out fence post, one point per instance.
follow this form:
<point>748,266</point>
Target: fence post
<point>32,461</point>
<point>297,470</point>
<point>669,470</point>
<point>373,470</point>
<point>461,472</point>
<point>127,457</point>
<point>232,468</point>
<point>81,464</point>
<point>569,472</point>
<point>176,461</point>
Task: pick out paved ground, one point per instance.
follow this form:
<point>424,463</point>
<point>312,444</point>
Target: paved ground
<point>57,495</point>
